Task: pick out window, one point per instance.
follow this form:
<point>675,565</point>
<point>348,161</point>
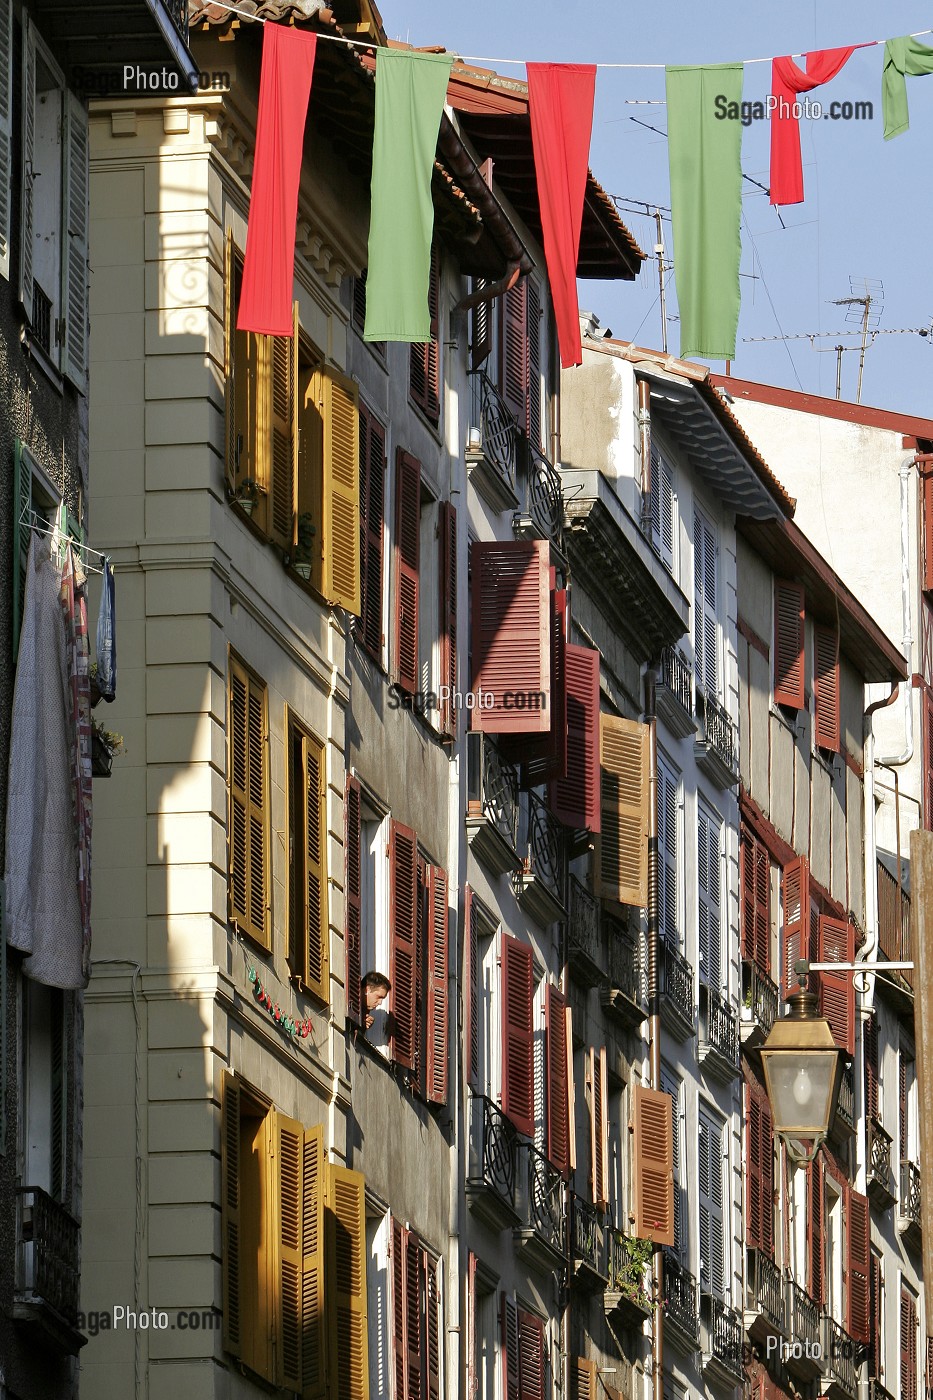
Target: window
<point>876,1367</point>
<point>835,1249</point>
<point>597,1091</point>
<point>308,927</point>
<point>906,1093</point>
<point>622,860</point>
<point>250,882</point>
<point>574,798</point>
<point>520,357</point>
<point>788,644</point>
<point>759,1170</point>
<point>48,1032</point>
<point>816,1225</point>
<point>659,508</point>
<point>517,993</point>
<point>359,314</point>
<point>858,1266</point>
<point>35,500</point>
<point>6,123</point>
<point>53,210</point>
<point>871,1048</point>
<point>668,847</point>
<point>484,1333</point>
<point>710,1210</point>
<point>908,1343</point>
<point>653,1164</point>
<point>416,1318</point>
<point>705,620</point>
<point>407,573</point>
<point>826,688</point>
<point>424,383</point>
<point>755,876</point>
<point>836,943</point>
<point>379,1304</point>
<point>523,1353</point>
<point>372,528</point>
<point>672,1085</point>
<point>294,1251</point>
<point>557,1041</point>
<point>709,870</point>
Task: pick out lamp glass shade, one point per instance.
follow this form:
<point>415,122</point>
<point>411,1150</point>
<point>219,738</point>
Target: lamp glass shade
<point>802,1086</point>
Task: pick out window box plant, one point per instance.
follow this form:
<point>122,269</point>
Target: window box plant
<point>302,559</point>
<point>104,745</point>
<point>248,492</point>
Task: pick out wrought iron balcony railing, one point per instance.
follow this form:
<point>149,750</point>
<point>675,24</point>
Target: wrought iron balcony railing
<point>845,1104</point>
<point>760,999</point>
<point>681,1307</point>
<point>497,447</point>
<point>894,941</point>
<point>178,13</point>
<point>544,497</point>
<point>908,1204</point>
<point>675,976</point>
<point>546,1213</point>
<point>765,1288</point>
<point>41,319</point>
<point>881,1186</point>
<point>492,803</point>
<point>717,750</point>
<point>723,1327</point>
<point>841,1355</point>
<point>493,1149</point>
<point>628,982</point>
<point>49,1241</point>
<point>586,957</point>
<point>719,1032</point>
<point>674,694</point>
<point>803,1315</point>
<point>543,877</point>
<point>629,1278</point>
<point>588,1237</point>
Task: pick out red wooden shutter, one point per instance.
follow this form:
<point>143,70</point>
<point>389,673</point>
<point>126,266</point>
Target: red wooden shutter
<point>574,799</point>
<point>514,351</point>
<point>858,1315</point>
<point>399,1320</point>
<point>544,756</point>
<point>837,989</point>
<point>518,1102</point>
<point>510,1363</point>
<point>928,758</point>
<point>404,939</point>
<point>511,628</point>
<point>759,1157</point>
<point>653,1149</point>
<point>530,1356</point>
<point>876,1346</point>
<point>471,1327</point>
<point>756,901</point>
<point>872,1084</point>
<point>448,602</point>
<point>433,1339</point>
<point>796,891</point>
<point>372,512</point>
<point>407,542</point>
<point>481,327</point>
<point>414,1317</point>
<point>354,991</point>
<point>471,996</point>
<point>437,986</point>
<point>926,487</point>
<point>908,1340</point>
<point>599,1127</point>
<point>826,687</point>
<point>558,1127</point>
<point>424,359</point>
<point>815,1233</point>
<point>788,644</point>
<point>902,1104</point>
<point>533,422</point>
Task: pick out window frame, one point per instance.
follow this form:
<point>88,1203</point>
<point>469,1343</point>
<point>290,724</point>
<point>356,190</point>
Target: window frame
<point>298,942</point>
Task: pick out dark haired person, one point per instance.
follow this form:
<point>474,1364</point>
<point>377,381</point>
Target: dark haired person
<point>376,987</point>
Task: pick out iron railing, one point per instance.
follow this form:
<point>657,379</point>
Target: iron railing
<point>583,923</point>
<point>879,1157</point>
<point>804,1315</point>
<point>681,1297</point>
<point>840,1352</point>
<point>544,497</point>
<point>627,972</point>
<point>878,1391</point>
<point>588,1235</point>
<point>909,1197</point>
<point>178,14</point>
<point>677,675</point>
<point>760,995</point>
<point>498,429</point>
<point>765,1287</point>
<point>725,1334</point>
<point>626,1275</point>
<point>676,979</point>
<point>721,732</point>
<point>50,1240</point>
<point>845,1104</point>
<point>496,1144</point>
<point>41,318</point>
<point>546,1200</point>
<point>894,921</point>
<point>720,1026</point>
<point>545,855</point>
<point>492,787</point>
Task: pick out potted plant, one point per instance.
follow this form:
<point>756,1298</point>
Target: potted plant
<point>105,743</point>
<point>247,494</point>
<point>304,547</point>
<point>630,1278</point>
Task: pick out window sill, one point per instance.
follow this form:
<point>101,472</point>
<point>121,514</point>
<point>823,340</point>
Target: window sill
<point>433,425</point>
<point>34,351</point>
<point>783,717</point>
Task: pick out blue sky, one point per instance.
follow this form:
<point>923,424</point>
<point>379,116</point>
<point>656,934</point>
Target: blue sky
<point>868,210</point>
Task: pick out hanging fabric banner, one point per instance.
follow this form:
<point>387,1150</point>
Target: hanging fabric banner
<point>411,89</point>
<point>705,155</point>
<point>269,266</point>
<point>560,104</point>
<point>903,58</point>
<point>787,80</point>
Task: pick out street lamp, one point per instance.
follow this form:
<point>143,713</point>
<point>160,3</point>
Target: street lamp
<point>802,1066</point>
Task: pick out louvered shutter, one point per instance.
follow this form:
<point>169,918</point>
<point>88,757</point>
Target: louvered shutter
<point>230,1213</point>
<point>354,876</point>
<point>336,568</point>
<point>668,831</point>
<point>789,644</point>
<point>837,989</point>
<point>437,986</point>
<point>448,614</point>
<point>759,1158</point>
<point>472,992</point>
<point>248,836</point>
<point>712,1231</point>
<point>653,1164</point>
<point>571,1094</point>
<point>575,798</point>
<point>670,1084</point>
<point>28,165</point>
<point>599,1126</point>
<point>433,1339</point>
<point>481,328</point>
<point>287,1216</point>
<point>876,1346</point>
<point>858,1266</point>
<point>414,1317</point>
<point>661,508</point>
<point>283,473</point>
<point>902,1121</point>
<point>75,250</point>
<point>826,687</point>
<point>762,908</point>
<point>518,1102</point>
<point>246,389</point>
<point>404,950</point>
<point>6,130</point>
<point>926,487</point>
<point>510,1354</point>
<point>22,532</point>
<point>399,1311</point>
<point>709,839</point>
<point>424,360</point>
<point>872,1063</point>
<point>530,1356</point>
<point>816,1206</point>
<point>533,424</point>
<point>348,1359</point>
<point>407,543</point>
<point>511,626</point>
<point>748,885</point>
<point>471,1347</point>
<point>586,1378</point>
<point>908,1345</point>
<point>544,756</point>
<point>372,521</point>
<point>623,838</point>
<point>313,1316</point>
<point>558,1123</point>
<point>928,758</point>
<point>317,956</point>
<point>514,351</point>
<point>705,626</point>
<point>796,895</point>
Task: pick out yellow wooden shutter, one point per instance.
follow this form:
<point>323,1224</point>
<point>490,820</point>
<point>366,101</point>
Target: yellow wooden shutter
<point>341,504</point>
<point>317,957</point>
<point>623,840</point>
<point>587,1386</point>
<point>230,1212</point>
<point>346,1284</point>
<point>653,1164</point>
<point>313,1333</point>
<point>283,465</point>
<point>248,834</point>
<point>287,1267</point>
<point>247,379</point>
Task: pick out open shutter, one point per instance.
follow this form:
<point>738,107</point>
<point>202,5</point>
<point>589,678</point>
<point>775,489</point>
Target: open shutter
<point>424,359</point>
<point>789,644</point>
<point>544,756</point>
<point>471,992</point>
<point>575,798</point>
<point>530,1356</point>
<point>317,958</point>
<point>928,758</point>
<point>230,1213</point>
<point>908,1345</point>
<point>313,1331</point>
<point>336,569</point>
<point>28,157</point>
<point>816,1222</point>
<point>709,836</point>
<point>247,835</point>
<point>399,1318</point>
<point>518,1103</point>
<point>586,1379</point>
<point>599,1126</point>
<point>796,895</point>
<point>558,1123</point>
<point>6,130</point>
<point>75,250</point>
<point>481,326</point>
<point>433,1339</point>
<point>671,1086</point>
<point>872,1065</point>
<point>759,1160</point>
<point>510,1353</point>
<point>414,1317</point>
<point>232,442</point>
<point>346,1284</point>
<point>756,901</point>
<point>623,840</point>
<point>372,521</point>
<point>404,951</point>
<point>712,1238</point>
<point>283,473</point>
<point>511,628</point>
<point>514,351</point>
<point>858,1266</point>
<point>437,985</point>
<point>407,541</point>
<point>448,614</point>
<point>837,989</point>
<point>287,1216</point>
<point>652,1154</point>
<point>354,874</point>
<point>826,687</point>
<point>533,424</point>
<point>705,626</point>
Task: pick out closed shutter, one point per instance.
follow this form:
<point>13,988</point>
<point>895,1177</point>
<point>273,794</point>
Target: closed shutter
<point>816,1223</point>
<point>283,471</point>
<point>652,1157</point>
<point>510,1353</point>
<point>858,1266</point>
<point>788,644</point>
<point>372,520</point>
<point>75,250</point>
<point>599,1126</point>
<point>759,1179</point>
<point>246,385</point>
<point>437,986</point>
<point>6,130</point>
<point>908,1345</point>
<point>511,629</point>
<point>399,1309</point>
<point>407,543</point>
<point>404,949</point>
<point>336,565</point>
<point>709,842</point>
<point>414,1318</point>
<point>28,165</point>
<point>826,687</point>
<point>248,830</point>
<point>712,1229</point>
<point>518,1102</point>
<point>705,626</point>
<point>796,895</point>
<point>22,533</point>
<point>558,1123</point>
<point>58,1097</point>
<point>544,756</point>
<point>668,832</point>
<point>354,879</point>
<point>230,1213</point>
<point>287,1266</point>
<point>433,1339</point>
<point>575,798</point>
<point>872,1065</point>
<point>661,508</point>
<point>671,1086</point>
<point>346,1288</point>
<point>472,992</point>
<point>308,940</point>
<point>448,615</point>
<point>533,423</point>
<point>756,901</point>
<point>902,1102</point>
<point>927,758</point>
<point>424,359</point>
<point>876,1346</point>
<point>313,1315</point>
<point>623,838</point>
<point>926,487</point>
<point>530,1356</point>
<point>514,351</point>
<point>837,989</point>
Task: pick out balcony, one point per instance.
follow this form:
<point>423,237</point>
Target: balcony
<point>908,1206</point>
<point>843,1125</point>
<point>675,978</point>
<point>841,1355</point>
<point>587,964</point>
<point>681,1315</point>
<point>627,992</point>
<point>629,1293</point>
<point>674,693</point>
<point>717,747</point>
<point>760,1000</point>
<point>492,454</point>
<point>878,1391</point>
<point>492,1170</point>
<point>47,1292</point>
<point>542,1235</point>
<point>721,1340</point>
<point>894,942</point>
<point>101,38</point>
<point>881,1188</point>
<point>544,498</point>
<point>719,1036</point>
<point>492,806</point>
<point>588,1244</point>
<point>764,1298</point>
<point>541,883</point>
<point>803,1322</point>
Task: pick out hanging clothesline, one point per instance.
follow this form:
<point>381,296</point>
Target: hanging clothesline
<point>57,535</point>
<point>472,58</point>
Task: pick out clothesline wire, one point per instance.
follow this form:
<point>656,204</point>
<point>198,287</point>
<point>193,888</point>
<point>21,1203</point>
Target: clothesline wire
<point>472,58</point>
<point>35,522</point>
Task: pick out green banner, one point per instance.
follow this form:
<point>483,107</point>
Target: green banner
<point>903,58</point>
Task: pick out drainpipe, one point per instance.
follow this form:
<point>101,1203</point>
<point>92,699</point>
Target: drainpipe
<point>898,760</point>
<point>654,1017</point>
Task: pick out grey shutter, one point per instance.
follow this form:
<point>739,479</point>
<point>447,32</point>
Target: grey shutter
<point>75,250</point>
<point>705,629</point>
<point>28,168</point>
<point>667,857</point>
<point>670,1084</point>
<point>661,508</point>
<point>6,130</point>
<point>709,835</point>
<point>712,1237</point>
